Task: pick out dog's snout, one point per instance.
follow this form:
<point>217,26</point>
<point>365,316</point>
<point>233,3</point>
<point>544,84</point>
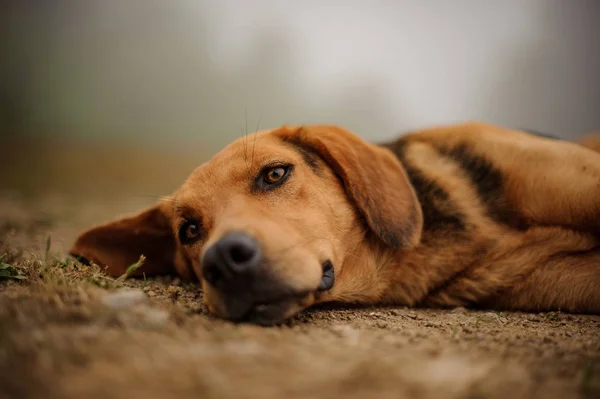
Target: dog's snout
<point>235,254</point>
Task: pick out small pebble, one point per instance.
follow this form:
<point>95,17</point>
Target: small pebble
<point>173,291</point>
<point>123,299</point>
<point>153,317</point>
<point>490,316</point>
<point>347,332</point>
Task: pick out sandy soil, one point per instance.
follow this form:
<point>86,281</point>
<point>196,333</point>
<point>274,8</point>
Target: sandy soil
<point>68,332</point>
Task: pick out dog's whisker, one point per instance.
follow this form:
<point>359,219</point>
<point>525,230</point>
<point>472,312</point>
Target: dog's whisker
<point>244,146</point>
<point>159,197</point>
<point>255,134</point>
<point>258,123</point>
<point>246,139</point>
<point>253,148</point>
<point>243,136</point>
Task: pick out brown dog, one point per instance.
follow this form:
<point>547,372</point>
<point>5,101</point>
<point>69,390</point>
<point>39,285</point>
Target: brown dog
<point>467,215</point>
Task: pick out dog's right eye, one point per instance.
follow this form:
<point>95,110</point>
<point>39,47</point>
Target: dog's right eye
<point>189,232</point>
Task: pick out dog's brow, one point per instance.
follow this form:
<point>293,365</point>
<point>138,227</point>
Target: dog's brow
<point>310,157</point>
<point>183,209</point>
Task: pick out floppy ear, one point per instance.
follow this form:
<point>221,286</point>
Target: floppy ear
<point>120,243</point>
<point>374,179</point>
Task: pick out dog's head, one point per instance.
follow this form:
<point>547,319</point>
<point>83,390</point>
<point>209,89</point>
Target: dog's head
<point>273,223</point>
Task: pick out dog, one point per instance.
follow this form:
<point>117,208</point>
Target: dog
<point>472,215</point>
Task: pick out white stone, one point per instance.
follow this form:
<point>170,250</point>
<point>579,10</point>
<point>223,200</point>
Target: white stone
<point>123,299</point>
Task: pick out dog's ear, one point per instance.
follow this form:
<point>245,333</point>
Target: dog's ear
<point>373,178</point>
<point>119,244</point>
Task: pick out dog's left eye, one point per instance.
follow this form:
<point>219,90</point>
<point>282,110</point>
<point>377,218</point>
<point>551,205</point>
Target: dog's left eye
<point>272,177</point>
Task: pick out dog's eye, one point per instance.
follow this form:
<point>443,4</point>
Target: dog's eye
<point>274,175</point>
<point>189,232</point>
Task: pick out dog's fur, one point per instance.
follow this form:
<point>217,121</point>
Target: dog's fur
<point>465,215</point>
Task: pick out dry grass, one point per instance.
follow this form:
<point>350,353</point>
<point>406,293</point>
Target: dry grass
<point>53,273</point>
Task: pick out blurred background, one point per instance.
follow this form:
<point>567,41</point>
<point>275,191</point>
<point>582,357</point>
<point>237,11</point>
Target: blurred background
<point>127,97</point>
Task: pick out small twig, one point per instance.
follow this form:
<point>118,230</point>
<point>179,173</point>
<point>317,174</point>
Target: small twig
<point>131,269</point>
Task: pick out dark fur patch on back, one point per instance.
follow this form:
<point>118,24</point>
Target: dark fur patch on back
<point>308,154</point>
<point>489,183</point>
<point>439,213</point>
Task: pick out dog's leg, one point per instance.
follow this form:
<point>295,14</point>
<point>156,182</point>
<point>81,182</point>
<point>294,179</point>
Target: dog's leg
<point>547,269</point>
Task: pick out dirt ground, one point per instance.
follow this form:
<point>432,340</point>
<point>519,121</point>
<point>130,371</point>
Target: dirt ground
<point>67,331</point>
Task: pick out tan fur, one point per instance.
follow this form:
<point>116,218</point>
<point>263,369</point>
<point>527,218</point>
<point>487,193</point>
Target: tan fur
<point>591,141</point>
<point>464,215</point>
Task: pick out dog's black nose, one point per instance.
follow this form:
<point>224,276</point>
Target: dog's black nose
<point>235,254</point>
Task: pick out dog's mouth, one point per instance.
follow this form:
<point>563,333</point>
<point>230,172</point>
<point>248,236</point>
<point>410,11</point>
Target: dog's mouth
<point>271,313</point>
<point>277,310</point>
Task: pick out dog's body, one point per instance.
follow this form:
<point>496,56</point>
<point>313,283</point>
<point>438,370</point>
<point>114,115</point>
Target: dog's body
<point>466,215</point>
<point>508,223</point>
